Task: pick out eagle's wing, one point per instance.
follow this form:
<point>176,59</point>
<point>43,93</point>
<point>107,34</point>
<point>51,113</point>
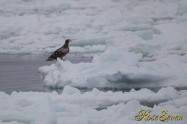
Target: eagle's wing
<point>61,52</point>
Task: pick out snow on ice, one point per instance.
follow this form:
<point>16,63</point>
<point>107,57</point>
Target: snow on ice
<point>95,106</point>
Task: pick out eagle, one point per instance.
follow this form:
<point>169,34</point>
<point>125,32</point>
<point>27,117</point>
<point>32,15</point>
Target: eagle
<point>60,52</point>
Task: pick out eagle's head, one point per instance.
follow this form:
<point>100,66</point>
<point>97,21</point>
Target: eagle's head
<point>68,40</point>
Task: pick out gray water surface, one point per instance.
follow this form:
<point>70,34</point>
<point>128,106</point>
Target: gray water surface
<point>20,72</point>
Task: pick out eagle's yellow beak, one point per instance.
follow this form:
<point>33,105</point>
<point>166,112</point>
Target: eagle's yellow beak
<point>70,40</point>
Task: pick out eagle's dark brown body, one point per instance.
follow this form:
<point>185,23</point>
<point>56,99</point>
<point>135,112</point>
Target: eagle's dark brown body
<point>60,52</point>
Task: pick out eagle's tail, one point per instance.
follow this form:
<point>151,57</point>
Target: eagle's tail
<point>50,58</point>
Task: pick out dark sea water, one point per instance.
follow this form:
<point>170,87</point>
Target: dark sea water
<point>20,72</point>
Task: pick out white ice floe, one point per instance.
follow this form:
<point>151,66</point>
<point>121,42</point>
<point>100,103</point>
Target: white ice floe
<point>95,107</point>
<point>123,66</point>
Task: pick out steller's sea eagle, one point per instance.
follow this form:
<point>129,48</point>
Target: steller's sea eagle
<point>60,52</point>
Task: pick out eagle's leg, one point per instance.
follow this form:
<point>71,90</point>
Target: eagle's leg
<point>62,58</point>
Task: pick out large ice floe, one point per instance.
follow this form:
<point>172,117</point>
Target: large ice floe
<point>124,64</point>
<point>96,107</point>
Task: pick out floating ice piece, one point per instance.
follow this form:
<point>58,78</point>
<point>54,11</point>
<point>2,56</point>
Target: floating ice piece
<point>91,107</point>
